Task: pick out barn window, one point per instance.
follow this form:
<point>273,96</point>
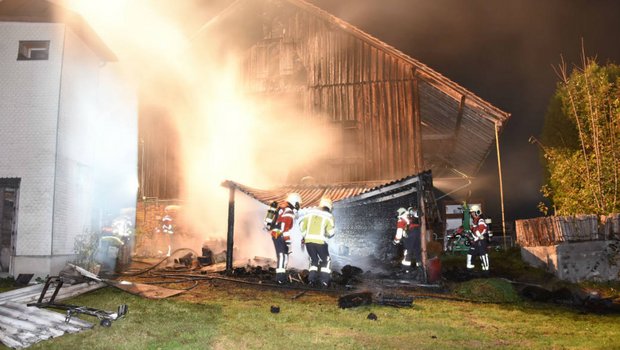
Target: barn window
<point>33,50</point>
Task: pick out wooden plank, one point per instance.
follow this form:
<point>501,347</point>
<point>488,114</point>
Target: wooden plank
<point>417,123</point>
<point>389,128</point>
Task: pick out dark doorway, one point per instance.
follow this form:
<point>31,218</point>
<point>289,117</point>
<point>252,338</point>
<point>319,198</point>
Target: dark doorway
<point>9,195</point>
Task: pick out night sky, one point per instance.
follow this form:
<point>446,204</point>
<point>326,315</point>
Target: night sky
<point>502,51</point>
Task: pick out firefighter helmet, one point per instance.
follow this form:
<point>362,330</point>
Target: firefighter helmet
<point>326,202</point>
<point>294,199</point>
<point>401,211</point>
<point>413,211</point>
<point>475,209</point>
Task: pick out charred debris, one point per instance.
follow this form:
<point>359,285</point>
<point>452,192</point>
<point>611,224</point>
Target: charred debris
<point>355,286</point>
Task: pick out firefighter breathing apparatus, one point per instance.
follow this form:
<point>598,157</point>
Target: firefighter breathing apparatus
<point>271,216</point>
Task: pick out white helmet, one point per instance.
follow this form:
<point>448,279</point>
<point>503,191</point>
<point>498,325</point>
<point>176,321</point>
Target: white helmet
<point>475,209</point>
<point>326,202</point>
<point>294,199</point>
<point>401,211</point>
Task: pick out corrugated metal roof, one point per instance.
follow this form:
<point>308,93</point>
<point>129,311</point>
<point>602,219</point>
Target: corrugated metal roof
<point>310,194</point>
<point>344,193</point>
<point>22,326</point>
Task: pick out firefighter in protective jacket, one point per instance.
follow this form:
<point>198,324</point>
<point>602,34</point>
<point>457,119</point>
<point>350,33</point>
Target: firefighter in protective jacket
<point>413,244</point>
<point>316,227</point>
<point>480,232</point>
<point>280,234</point>
<point>167,227</point>
<point>408,232</point>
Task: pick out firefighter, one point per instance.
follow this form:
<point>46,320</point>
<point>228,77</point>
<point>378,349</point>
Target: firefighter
<point>316,227</point>
<point>167,227</point>
<point>480,232</point>
<point>122,228</point>
<point>402,236</point>
<point>413,243</point>
<point>280,234</point>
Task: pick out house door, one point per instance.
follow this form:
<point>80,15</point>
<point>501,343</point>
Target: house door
<point>9,189</point>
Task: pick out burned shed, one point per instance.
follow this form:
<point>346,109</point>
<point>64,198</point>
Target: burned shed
<point>392,115</point>
<point>364,213</point>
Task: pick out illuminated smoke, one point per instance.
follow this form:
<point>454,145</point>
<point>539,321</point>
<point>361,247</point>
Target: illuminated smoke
<point>223,132</point>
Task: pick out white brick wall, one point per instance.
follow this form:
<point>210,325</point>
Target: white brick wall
<point>96,120</point>
<point>29,95</point>
<point>79,112</point>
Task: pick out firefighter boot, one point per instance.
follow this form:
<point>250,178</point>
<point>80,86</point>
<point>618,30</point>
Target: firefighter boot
<point>313,276</point>
<point>485,262</point>
<point>325,277</point>
<point>469,265</point>
<point>281,277</point>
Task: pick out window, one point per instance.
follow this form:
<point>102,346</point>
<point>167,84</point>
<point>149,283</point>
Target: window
<point>33,50</point>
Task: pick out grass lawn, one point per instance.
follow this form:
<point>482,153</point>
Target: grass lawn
<point>224,315</point>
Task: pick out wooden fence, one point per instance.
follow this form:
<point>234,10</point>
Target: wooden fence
<point>552,230</point>
<point>611,226</point>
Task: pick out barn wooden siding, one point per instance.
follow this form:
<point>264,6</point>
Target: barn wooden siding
<point>553,230</point>
<point>387,114</point>
<point>366,93</point>
<point>158,156</point>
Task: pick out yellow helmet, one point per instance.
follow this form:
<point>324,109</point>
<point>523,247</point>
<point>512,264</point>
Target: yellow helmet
<point>326,202</point>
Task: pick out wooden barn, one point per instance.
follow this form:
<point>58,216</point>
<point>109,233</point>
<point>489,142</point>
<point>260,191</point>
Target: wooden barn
<point>394,115</point>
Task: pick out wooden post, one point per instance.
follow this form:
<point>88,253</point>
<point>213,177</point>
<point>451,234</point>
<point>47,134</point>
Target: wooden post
<point>423,216</point>
<point>501,185</point>
<point>230,239</point>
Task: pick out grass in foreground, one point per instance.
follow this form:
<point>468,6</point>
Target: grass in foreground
<point>230,316</point>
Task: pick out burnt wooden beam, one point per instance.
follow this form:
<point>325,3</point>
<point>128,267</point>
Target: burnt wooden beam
<point>381,191</point>
<point>383,198</point>
<point>230,238</point>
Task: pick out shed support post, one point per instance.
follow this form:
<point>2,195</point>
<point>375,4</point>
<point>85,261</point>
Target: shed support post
<point>423,230</point>
<point>231,231</point>
<point>501,185</point>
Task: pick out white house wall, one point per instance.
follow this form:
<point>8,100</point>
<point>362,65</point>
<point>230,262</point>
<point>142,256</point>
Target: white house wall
<point>116,173</point>
<point>76,104</point>
<point>97,151</point>
<point>78,114</point>
<point>29,100</point>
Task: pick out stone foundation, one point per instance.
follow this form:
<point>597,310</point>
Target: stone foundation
<point>577,261</point>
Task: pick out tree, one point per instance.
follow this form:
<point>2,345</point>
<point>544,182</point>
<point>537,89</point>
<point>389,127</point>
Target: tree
<point>580,142</point>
